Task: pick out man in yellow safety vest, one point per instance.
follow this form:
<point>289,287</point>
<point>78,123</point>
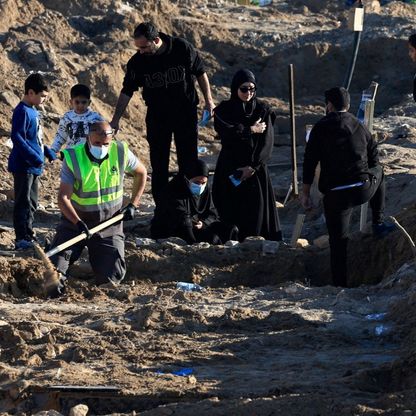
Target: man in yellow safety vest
<point>90,192</point>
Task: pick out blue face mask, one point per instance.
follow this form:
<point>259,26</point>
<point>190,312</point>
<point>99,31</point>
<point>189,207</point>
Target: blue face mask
<point>197,189</point>
<point>99,152</point>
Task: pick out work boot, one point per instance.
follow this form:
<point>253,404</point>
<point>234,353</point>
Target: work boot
<point>382,229</point>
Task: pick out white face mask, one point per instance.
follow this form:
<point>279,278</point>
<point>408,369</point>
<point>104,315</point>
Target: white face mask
<point>197,189</point>
<point>99,152</point>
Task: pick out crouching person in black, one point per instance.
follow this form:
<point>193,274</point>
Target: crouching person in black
<point>350,175</point>
<point>186,210</point>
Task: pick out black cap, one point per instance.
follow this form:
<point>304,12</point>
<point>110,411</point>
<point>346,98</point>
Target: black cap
<point>199,168</point>
<point>339,97</point>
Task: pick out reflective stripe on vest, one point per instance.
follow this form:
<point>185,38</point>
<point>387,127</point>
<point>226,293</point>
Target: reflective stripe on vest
<point>97,187</point>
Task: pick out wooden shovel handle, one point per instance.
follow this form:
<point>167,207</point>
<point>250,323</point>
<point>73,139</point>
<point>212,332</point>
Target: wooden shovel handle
<point>83,236</point>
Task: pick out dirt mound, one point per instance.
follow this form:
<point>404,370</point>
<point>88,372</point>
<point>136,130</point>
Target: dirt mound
<point>252,341</point>
<point>21,277</point>
<point>320,66</point>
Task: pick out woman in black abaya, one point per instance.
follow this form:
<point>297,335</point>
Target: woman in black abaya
<point>245,128</point>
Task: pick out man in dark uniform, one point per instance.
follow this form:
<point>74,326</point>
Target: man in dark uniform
<point>350,175</point>
<point>166,68</point>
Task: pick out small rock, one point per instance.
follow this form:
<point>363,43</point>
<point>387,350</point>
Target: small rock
<point>254,238</point>
<point>191,379</point>
<point>175,240</point>
<point>372,6</point>
<point>201,245</point>
<point>231,243</point>
<point>34,361</point>
<point>50,351</point>
<point>17,389</point>
<point>9,194</point>
<point>9,98</point>
<point>302,243</point>
<point>142,242</point>
<point>252,244</point>
<point>34,54</point>
<point>322,241</point>
<point>48,413</point>
<point>79,410</point>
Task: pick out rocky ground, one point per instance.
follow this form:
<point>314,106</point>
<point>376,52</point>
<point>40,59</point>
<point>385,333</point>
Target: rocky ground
<point>267,335</point>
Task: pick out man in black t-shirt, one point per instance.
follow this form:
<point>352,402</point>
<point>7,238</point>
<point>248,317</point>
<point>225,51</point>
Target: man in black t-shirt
<point>350,175</point>
<point>165,67</point>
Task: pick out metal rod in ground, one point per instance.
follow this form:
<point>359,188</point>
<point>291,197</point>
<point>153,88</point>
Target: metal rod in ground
<point>297,229</point>
<point>293,130</point>
<point>356,24</point>
<point>369,107</point>
<point>289,192</point>
<point>350,73</point>
<point>363,216</point>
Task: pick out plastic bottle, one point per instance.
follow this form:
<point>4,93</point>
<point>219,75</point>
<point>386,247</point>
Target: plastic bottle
<point>188,287</point>
<point>206,116</point>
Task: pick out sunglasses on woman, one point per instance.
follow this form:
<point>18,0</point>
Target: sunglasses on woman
<point>247,89</point>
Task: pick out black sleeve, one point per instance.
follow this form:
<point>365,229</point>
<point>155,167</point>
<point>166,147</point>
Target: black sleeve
<point>179,213</point>
<point>210,215</point>
<point>132,80</point>
<point>229,131</point>
<point>312,156</point>
<point>264,144</point>
<point>196,65</point>
<point>372,150</point>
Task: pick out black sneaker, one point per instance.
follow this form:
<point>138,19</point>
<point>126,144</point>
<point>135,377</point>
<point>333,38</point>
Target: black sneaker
<point>382,229</point>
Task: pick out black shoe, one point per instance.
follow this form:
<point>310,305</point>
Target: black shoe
<point>383,229</point>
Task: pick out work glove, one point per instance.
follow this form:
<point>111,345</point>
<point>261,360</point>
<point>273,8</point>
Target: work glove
<point>129,211</point>
<point>83,228</point>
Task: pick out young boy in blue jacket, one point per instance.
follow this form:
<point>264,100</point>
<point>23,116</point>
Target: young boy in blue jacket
<point>27,159</point>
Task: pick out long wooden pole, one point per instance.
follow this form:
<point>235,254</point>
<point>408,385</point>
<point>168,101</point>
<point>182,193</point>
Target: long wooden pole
<point>83,236</point>
<point>295,188</point>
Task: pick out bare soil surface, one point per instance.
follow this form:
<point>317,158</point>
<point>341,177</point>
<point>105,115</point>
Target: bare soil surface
<point>267,335</point>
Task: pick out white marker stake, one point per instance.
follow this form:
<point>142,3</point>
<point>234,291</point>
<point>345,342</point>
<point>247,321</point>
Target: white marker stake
<point>297,229</point>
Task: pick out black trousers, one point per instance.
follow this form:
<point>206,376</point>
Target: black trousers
<point>338,207</point>
<point>26,192</point>
<point>106,254</point>
<point>216,233</point>
<point>161,125</point>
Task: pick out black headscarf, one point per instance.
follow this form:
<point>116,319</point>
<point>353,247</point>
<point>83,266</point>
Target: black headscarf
<point>198,168</point>
<point>239,78</point>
